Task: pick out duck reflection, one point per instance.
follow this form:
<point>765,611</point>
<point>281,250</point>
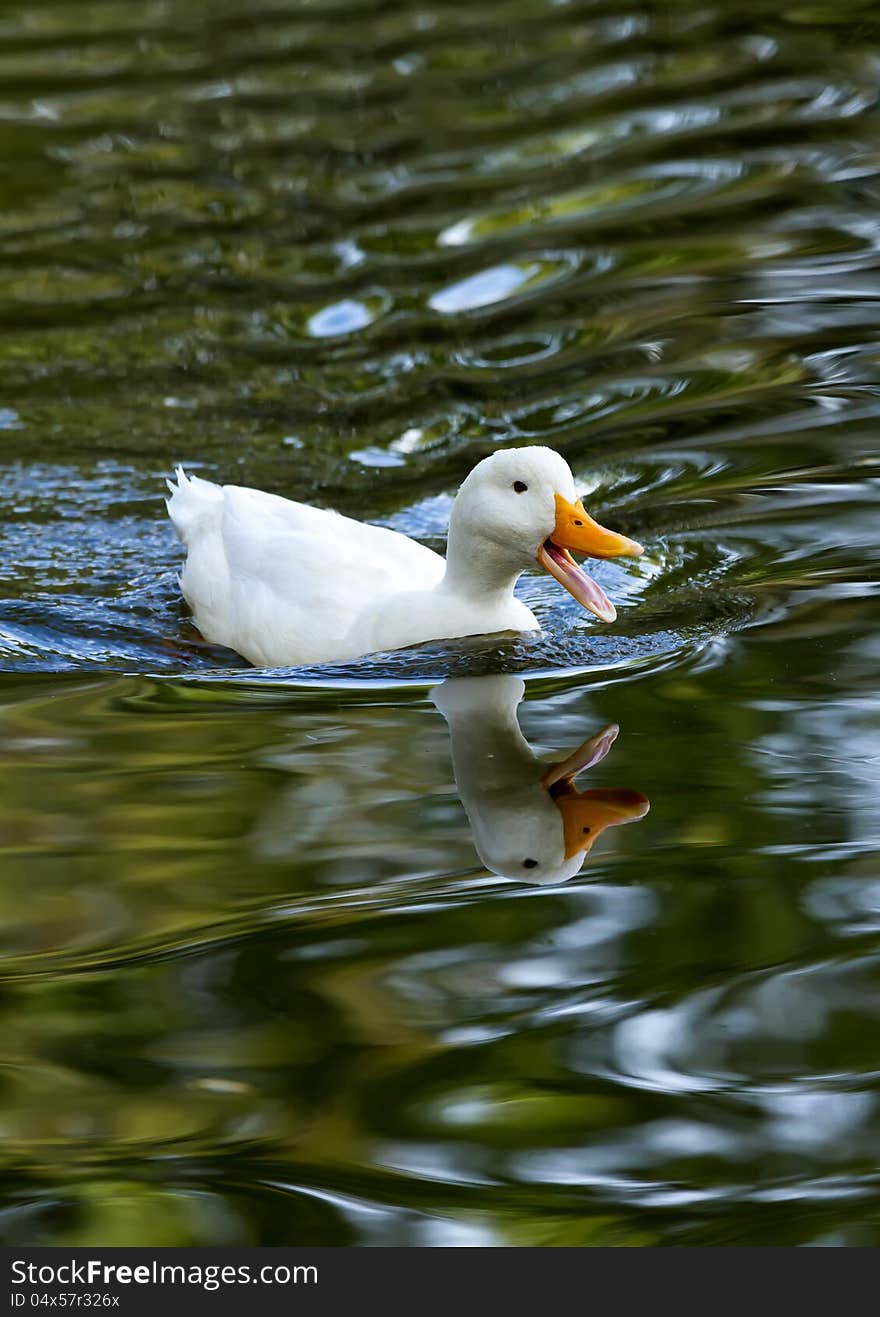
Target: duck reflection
<point>529,821</point>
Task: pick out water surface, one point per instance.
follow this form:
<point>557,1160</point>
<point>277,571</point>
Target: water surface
<point>268,973</point>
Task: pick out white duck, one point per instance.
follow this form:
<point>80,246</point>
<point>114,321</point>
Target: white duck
<point>284,583</point>
<point>528,820</point>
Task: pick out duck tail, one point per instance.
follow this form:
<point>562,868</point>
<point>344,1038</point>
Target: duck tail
<point>192,502</point>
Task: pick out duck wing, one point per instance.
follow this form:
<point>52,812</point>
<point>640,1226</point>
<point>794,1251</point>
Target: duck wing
<point>283,583</point>
<point>289,544</point>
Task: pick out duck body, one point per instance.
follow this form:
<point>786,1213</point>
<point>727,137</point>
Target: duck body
<point>285,583</point>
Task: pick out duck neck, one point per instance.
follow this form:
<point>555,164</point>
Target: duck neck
<point>489,751</point>
<point>476,568</point>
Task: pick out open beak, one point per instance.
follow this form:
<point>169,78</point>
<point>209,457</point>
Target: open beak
<point>585,814</point>
<point>590,753</point>
<point>576,530</point>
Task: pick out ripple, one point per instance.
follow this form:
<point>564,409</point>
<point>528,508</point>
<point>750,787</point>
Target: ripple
<point>496,284</point>
<point>344,317</point>
<point>262,987</point>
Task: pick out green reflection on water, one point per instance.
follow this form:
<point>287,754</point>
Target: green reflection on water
<point>257,984</point>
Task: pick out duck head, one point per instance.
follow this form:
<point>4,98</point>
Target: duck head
<point>529,822</point>
<point>518,507</point>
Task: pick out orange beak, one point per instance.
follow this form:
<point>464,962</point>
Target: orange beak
<point>586,814</point>
<point>575,529</point>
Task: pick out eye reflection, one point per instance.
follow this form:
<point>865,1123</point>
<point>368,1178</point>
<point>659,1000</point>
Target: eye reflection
<point>528,819</point>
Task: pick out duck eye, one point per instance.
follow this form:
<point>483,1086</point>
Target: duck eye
<point>519,486</point>
<point>579,523</point>
<point>530,864</point>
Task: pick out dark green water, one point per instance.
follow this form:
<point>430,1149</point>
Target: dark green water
<point>257,982</point>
